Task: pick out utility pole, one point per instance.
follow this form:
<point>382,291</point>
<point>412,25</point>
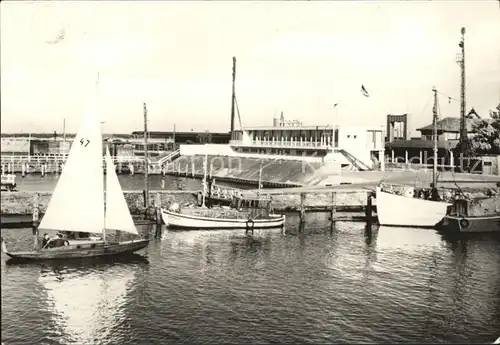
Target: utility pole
<point>146,164</point>
<point>233,96</point>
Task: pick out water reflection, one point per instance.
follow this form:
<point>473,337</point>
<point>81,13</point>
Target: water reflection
<point>87,302</point>
<point>202,237</point>
<point>408,239</point>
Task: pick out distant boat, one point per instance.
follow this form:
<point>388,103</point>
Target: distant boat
<point>80,203</point>
<point>405,208</point>
<point>8,182</point>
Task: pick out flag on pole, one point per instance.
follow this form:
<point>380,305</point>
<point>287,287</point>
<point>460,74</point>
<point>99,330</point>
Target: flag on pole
<point>335,105</point>
<point>364,92</point>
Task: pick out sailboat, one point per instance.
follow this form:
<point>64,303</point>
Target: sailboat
<point>400,207</point>
<point>81,203</point>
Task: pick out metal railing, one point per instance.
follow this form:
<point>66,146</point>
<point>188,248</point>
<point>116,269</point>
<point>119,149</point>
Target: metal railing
<point>62,158</point>
<point>286,144</point>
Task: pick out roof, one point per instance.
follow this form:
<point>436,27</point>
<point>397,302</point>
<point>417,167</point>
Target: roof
<point>448,124</point>
<point>421,144</point>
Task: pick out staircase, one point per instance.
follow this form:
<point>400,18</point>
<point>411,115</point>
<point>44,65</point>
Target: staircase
<point>169,157</point>
<point>355,162</point>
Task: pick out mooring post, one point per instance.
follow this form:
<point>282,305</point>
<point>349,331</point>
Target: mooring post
<point>43,170</point>
<point>368,210</point>
<point>302,214</point>
<point>192,167</point>
<point>23,170</point>
<point>35,220</point>
<point>333,214</point>
<point>158,217</point>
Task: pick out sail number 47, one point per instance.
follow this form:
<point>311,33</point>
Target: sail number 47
<point>84,142</point>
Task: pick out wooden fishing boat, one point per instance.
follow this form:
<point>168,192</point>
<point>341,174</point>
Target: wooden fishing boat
<point>461,219</point>
<point>178,220</point>
<point>405,208</point>
<point>89,206</point>
<point>472,224</point>
<point>259,216</point>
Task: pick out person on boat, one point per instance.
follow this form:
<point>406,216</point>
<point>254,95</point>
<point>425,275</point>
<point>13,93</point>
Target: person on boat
<point>45,239</point>
<point>434,195</point>
<point>57,241</point>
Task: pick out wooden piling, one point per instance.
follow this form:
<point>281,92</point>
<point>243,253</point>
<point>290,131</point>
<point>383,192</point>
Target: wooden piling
<point>302,211</point>
<point>35,220</point>
<point>368,209</point>
<point>333,212</point>
<point>158,218</point>
<point>192,168</point>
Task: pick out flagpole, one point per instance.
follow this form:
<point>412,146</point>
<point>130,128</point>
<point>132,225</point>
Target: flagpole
<point>335,122</point>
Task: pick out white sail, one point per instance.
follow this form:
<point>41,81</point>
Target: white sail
<point>118,216</point>
<point>77,203</point>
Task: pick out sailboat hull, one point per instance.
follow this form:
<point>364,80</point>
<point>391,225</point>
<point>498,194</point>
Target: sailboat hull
<point>399,210</point>
<point>78,251</point>
<point>176,220</point>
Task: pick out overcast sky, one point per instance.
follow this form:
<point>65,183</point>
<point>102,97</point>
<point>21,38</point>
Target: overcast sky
<point>297,57</point>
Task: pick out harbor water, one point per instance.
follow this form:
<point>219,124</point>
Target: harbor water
<point>319,285</point>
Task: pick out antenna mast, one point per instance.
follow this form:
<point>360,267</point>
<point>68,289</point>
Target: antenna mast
<point>464,141</point>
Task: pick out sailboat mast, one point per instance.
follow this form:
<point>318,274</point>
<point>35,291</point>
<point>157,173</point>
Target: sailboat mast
<point>435,136</point>
<point>106,194</point>
<point>233,97</point>
<point>146,164</point>
<point>204,183</point>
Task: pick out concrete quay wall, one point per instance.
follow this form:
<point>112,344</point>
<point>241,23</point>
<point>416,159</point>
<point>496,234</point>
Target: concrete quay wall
<point>21,203</point>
